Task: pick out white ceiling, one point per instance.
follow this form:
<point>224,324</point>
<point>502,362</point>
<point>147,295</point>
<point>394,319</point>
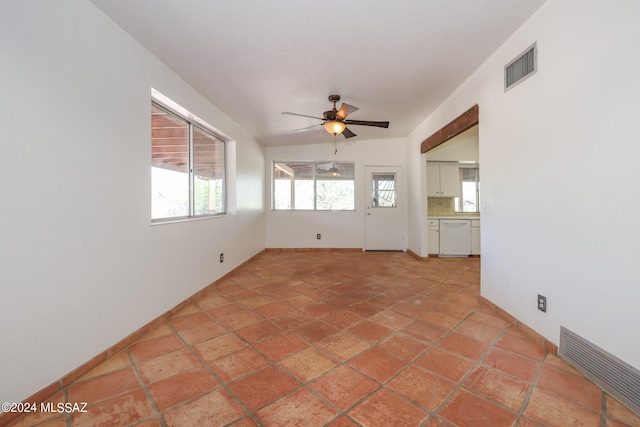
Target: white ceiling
<point>255,59</point>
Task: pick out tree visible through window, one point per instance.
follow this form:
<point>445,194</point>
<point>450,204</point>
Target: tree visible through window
<point>470,186</point>
<point>313,186</point>
<point>187,167</point>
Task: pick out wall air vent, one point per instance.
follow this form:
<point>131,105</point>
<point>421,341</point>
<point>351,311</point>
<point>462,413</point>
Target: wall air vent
<point>521,68</point>
<point>618,378</point>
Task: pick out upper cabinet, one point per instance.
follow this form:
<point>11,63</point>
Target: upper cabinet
<point>443,179</point>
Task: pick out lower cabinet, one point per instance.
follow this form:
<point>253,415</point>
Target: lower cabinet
<point>433,236</point>
<point>475,237</point>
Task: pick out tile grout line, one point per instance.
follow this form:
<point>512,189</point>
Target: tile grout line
<point>478,362</point>
<point>276,363</point>
<point>415,318</point>
<point>410,364</point>
<point>147,393</point>
<point>306,385</point>
<point>525,403</point>
<point>313,345</point>
<point>223,384</point>
<point>449,331</point>
<point>604,416</point>
<point>430,414</point>
<point>423,352</point>
<point>537,361</point>
<point>68,419</point>
<point>568,398</point>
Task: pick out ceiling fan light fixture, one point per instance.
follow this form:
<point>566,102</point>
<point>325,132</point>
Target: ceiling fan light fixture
<point>334,127</point>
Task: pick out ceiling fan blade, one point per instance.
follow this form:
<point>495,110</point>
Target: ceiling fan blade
<point>302,115</point>
<point>347,133</point>
<point>345,110</point>
<point>367,123</point>
<point>307,128</point>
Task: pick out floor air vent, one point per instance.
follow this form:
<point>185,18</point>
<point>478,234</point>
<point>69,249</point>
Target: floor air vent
<point>521,68</point>
<point>618,378</point>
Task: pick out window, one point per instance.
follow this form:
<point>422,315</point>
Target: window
<point>187,166</point>
<point>322,186</point>
<point>470,188</point>
<point>384,191</point>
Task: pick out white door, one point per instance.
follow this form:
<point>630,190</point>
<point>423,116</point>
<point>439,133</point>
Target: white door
<point>384,220</point>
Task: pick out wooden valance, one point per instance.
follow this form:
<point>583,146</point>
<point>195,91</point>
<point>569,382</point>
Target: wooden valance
<point>465,121</point>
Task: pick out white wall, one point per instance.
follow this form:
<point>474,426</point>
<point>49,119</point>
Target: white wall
<point>298,229</point>
<point>463,147</point>
<point>559,160</point>
<point>80,265</point>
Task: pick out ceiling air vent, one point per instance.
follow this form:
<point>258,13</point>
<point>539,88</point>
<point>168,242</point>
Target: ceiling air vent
<point>521,68</point>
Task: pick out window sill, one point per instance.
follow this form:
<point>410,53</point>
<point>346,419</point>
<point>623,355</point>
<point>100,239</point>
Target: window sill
<point>313,210</point>
<point>190,219</point>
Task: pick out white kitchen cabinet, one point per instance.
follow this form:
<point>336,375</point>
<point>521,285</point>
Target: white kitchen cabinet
<point>443,179</point>
<point>475,237</point>
<point>433,236</point>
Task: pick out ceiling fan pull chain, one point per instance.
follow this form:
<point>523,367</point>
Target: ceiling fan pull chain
<point>335,142</point>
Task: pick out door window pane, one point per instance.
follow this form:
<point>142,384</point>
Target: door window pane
<point>383,191</point>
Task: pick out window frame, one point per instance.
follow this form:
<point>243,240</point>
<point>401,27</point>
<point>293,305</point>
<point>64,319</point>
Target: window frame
<point>168,106</point>
<point>314,165</point>
<point>458,208</point>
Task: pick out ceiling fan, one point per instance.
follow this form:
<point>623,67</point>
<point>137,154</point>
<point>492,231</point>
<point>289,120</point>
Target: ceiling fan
<point>335,121</point>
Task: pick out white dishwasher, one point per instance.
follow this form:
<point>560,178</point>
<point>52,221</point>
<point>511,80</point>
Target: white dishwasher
<point>455,237</point>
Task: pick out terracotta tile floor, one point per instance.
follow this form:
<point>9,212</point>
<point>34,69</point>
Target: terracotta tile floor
<point>340,339</point>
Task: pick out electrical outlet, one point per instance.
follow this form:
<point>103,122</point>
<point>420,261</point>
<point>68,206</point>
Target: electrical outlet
<point>318,236</point>
<point>542,303</point>
<point>221,257</point>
